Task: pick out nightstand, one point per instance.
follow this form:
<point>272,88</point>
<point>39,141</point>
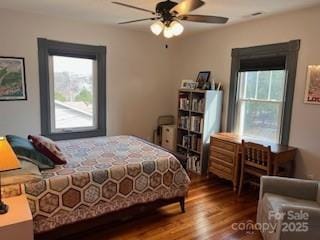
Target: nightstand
<point>17,222</point>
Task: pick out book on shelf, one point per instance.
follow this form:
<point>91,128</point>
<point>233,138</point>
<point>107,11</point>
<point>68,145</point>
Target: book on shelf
<point>184,122</point>
<point>195,143</point>
<point>185,141</point>
<point>184,103</point>
<point>193,163</point>
<point>197,105</point>
<point>201,125</point>
<point>182,151</point>
<point>199,144</point>
<point>196,124</point>
<point>192,142</point>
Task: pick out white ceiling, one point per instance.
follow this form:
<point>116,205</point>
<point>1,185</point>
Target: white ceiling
<point>103,11</point>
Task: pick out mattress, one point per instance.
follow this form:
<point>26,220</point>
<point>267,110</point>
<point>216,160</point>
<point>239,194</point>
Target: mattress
<point>102,175</point>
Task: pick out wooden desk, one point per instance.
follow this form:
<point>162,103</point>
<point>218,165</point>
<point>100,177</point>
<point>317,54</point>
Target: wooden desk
<point>225,156</point>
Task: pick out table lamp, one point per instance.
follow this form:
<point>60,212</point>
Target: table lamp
<point>8,161</point>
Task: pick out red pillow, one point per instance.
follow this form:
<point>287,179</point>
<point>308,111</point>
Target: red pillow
<point>48,148</point>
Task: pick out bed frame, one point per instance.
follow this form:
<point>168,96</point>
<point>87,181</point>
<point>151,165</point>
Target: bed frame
<point>71,231</point>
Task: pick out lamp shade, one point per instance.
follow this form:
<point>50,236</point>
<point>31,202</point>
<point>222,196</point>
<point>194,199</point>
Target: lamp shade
<point>8,159</point>
<point>157,27</point>
<point>177,28</point>
<point>167,32</point>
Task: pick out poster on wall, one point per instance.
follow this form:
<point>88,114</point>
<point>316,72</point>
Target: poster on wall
<point>312,93</point>
<point>12,79</point>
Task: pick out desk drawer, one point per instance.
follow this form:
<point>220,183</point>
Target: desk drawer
<point>220,173</point>
<point>231,147</point>
<point>222,168</point>
<point>216,153</point>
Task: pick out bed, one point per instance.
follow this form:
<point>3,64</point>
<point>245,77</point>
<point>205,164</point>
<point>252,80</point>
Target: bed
<point>103,175</point>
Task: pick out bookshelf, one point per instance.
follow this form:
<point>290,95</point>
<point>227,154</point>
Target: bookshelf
<point>199,116</point>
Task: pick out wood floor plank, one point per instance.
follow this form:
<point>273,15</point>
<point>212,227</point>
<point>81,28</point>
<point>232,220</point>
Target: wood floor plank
<point>211,209</point>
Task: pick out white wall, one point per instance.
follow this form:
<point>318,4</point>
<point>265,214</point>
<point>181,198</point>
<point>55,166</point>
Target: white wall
<point>212,51</point>
<point>138,81</point>
<point>143,76</point>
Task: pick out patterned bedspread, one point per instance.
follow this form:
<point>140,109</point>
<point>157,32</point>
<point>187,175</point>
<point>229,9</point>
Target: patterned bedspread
<point>103,174</point>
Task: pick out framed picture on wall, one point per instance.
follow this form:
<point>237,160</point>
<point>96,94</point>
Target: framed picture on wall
<point>12,79</point>
<point>312,92</point>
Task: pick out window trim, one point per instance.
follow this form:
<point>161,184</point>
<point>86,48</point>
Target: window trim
<point>290,51</point>
<point>49,47</point>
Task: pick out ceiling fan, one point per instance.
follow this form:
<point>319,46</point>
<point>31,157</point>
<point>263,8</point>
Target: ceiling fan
<point>169,14</point>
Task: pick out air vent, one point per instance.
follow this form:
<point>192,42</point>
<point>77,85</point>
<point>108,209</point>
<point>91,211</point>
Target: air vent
<point>256,14</point>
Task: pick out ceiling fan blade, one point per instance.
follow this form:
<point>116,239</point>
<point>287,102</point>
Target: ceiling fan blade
<point>186,6</point>
<point>204,19</point>
<point>140,20</point>
<point>137,8</point>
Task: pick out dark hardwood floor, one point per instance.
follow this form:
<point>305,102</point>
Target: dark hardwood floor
<point>211,209</point>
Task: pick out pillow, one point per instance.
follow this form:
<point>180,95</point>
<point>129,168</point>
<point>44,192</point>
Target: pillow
<point>25,151</point>
<point>48,148</point>
<point>28,172</point>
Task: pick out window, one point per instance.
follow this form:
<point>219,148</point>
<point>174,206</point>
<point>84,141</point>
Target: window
<point>261,91</point>
<point>260,104</point>
<point>72,89</point>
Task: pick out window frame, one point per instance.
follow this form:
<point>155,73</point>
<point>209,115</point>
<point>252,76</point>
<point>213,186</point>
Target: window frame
<point>290,51</point>
<point>47,48</point>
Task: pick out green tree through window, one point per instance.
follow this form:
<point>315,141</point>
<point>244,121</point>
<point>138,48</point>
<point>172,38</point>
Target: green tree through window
<point>84,96</point>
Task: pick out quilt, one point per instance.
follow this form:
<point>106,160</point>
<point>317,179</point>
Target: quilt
<point>102,175</point>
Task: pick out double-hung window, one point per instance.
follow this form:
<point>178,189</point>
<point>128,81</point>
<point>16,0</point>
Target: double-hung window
<point>260,104</point>
<point>72,89</point>
<point>261,91</point>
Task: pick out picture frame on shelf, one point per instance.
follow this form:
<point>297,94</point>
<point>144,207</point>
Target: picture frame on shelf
<point>12,79</point>
<point>312,91</point>
<point>203,80</point>
<point>188,84</point>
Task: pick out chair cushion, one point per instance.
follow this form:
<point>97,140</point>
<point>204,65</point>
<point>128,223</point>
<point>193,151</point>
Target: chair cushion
<point>48,148</point>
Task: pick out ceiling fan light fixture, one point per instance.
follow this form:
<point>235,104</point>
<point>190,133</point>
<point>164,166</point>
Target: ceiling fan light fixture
<point>157,27</point>
<point>167,32</point>
<point>176,28</point>
<point>169,14</point>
